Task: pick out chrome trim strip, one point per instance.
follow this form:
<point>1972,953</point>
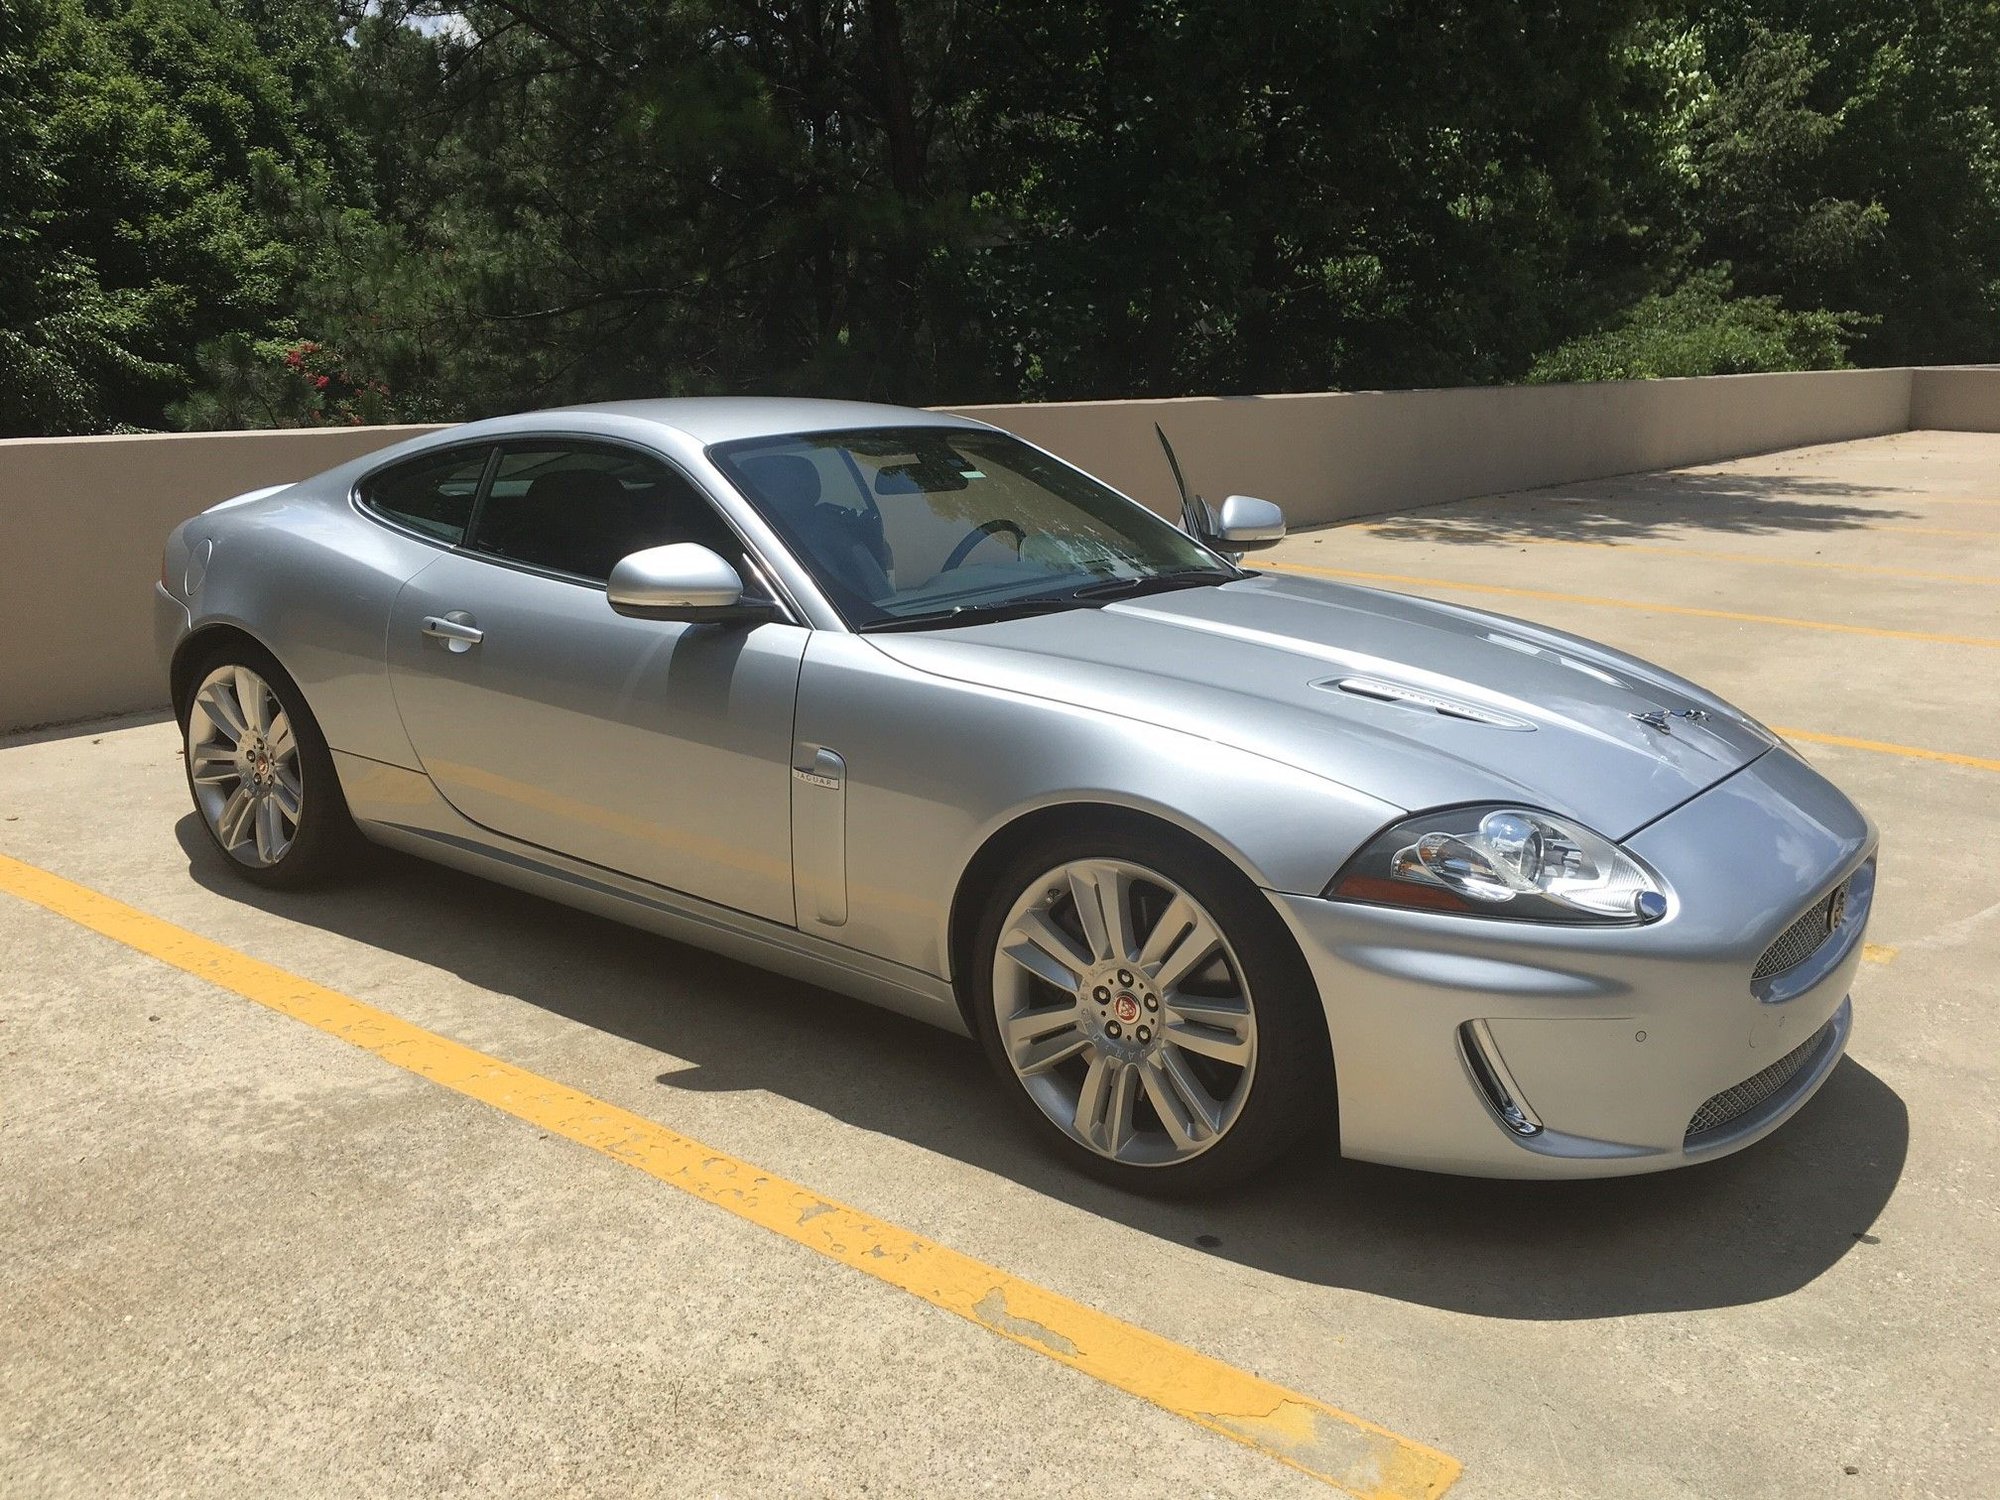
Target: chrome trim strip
<point>1496,1084</point>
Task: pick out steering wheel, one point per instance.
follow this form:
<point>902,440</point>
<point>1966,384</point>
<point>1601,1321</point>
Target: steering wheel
<point>979,534</point>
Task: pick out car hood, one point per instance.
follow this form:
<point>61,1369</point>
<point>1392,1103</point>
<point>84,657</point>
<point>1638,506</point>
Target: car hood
<point>1414,702</point>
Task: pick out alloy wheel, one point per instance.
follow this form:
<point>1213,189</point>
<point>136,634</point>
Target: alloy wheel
<point>1124,1013</point>
<point>243,761</point>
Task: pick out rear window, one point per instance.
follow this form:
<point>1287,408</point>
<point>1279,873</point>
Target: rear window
<point>432,495</point>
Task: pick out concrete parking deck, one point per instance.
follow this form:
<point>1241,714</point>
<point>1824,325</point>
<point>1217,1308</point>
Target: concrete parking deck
<point>241,1257</point>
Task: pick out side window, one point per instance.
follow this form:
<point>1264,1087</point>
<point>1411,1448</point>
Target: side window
<point>432,494</point>
<point>577,508</point>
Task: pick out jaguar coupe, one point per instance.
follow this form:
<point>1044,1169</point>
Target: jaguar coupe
<point>1214,862</point>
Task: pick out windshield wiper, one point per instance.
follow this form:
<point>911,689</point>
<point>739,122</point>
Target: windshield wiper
<point>1147,583</point>
<point>971,614</point>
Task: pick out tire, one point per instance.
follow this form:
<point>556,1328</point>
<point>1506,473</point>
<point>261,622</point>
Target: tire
<point>273,811</point>
<point>1201,1051</point>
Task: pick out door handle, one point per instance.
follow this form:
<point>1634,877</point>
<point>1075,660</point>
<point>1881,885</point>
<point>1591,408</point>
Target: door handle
<point>456,630</point>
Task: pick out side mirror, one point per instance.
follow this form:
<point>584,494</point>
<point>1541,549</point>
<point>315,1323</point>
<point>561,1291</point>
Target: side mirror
<point>1246,524</point>
<point>681,581</point>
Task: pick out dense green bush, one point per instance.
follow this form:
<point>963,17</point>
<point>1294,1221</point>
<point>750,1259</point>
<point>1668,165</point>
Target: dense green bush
<point>1698,328</point>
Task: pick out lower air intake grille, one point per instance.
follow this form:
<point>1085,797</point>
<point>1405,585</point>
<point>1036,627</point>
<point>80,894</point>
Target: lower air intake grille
<point>1801,940</point>
<point>1733,1104</point>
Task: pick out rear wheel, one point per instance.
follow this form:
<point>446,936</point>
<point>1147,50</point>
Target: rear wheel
<point>260,771</point>
<point>1149,1011</point>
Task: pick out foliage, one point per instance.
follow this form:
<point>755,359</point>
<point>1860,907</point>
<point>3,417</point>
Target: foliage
<point>1699,328</point>
<point>497,204</point>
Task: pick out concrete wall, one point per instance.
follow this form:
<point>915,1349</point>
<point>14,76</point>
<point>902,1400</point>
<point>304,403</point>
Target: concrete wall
<point>1961,399</point>
<point>1325,457</point>
<point>82,519</point>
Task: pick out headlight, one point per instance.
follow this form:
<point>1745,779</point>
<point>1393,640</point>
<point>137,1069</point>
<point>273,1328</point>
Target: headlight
<point>1502,862</point>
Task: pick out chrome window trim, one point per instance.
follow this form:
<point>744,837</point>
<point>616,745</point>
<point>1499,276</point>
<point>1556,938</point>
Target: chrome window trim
<point>443,450</point>
<point>764,573</point>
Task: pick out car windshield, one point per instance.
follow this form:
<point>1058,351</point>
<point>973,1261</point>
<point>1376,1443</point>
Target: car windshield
<point>911,526</point>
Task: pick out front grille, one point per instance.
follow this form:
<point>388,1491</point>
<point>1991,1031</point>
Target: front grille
<point>1801,940</point>
<point>1734,1103</point>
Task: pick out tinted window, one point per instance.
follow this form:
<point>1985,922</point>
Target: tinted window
<point>432,494</point>
<point>577,508</point>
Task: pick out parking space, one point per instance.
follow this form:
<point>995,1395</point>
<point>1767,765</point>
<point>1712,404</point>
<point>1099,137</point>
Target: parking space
<point>246,1251</point>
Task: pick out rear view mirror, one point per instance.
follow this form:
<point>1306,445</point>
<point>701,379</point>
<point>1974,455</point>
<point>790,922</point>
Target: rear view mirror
<point>1246,523</point>
<point>681,581</point>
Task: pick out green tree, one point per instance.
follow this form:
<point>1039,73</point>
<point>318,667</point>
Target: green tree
<point>155,159</point>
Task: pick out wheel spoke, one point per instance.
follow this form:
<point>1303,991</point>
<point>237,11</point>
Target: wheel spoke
<point>232,824</point>
<point>287,796</point>
<point>214,765</point>
<point>218,702</point>
<point>1103,906</point>
<point>1220,1045</point>
<point>1104,1104</point>
<point>1039,1039</point>
<point>270,835</point>
<point>1194,942</point>
<point>283,747</point>
<point>1181,1103</point>
<point>254,697</point>
<point>1215,1028</point>
<point>1045,951</point>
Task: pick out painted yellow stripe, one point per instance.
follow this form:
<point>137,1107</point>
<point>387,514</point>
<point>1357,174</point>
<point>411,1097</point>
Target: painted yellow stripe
<point>1933,531</point>
<point>1453,585</point>
<point>1321,1440</point>
<point>1883,747</point>
<point>1878,953</point>
<point>1741,557</point>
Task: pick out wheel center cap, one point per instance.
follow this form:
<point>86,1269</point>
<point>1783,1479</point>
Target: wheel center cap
<point>1125,1008</point>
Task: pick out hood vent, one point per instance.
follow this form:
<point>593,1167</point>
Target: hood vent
<point>1409,697</point>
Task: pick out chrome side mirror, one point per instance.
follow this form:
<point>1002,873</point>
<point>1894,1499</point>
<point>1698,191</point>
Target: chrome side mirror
<point>681,581</point>
<point>1246,524</point>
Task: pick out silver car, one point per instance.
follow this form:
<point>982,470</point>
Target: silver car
<point>1209,860</point>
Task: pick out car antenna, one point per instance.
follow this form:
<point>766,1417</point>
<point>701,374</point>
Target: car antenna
<point>1194,514</point>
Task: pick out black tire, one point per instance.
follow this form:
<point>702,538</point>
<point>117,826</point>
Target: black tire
<point>1291,1087</point>
<point>325,839</point>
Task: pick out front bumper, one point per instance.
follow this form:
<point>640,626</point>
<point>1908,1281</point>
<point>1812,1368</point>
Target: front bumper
<point>1610,1040</point>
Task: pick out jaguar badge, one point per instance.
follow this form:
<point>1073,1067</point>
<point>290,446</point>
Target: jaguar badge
<point>1662,719</point>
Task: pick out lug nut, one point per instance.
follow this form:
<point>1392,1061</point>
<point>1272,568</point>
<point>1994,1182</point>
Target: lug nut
<point>1152,1002</point>
<point>1101,995</point>
<point>1113,1029</point>
<point>1145,1034</point>
<point>1124,976</point>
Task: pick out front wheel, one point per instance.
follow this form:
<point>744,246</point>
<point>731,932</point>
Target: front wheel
<point>260,772</point>
<point>1149,1011</point>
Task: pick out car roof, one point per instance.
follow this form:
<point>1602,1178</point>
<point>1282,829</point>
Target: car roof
<point>723,419</point>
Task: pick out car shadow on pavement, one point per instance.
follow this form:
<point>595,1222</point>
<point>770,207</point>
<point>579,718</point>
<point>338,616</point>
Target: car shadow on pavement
<point>1641,507</point>
<point>1745,1229</point>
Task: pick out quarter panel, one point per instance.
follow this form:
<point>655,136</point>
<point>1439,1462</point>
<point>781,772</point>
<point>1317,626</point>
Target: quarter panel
<point>313,581</point>
<point>936,766</point>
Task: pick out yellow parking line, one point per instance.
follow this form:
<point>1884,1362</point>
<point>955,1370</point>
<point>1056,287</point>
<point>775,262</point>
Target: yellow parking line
<point>1932,531</point>
<point>1883,747</point>
<point>1739,557</point>
<point>1878,953</point>
<point>1454,585</point>
<point>1321,1440</point>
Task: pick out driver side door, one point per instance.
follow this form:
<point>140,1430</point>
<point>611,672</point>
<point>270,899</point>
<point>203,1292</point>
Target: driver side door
<point>658,749</point>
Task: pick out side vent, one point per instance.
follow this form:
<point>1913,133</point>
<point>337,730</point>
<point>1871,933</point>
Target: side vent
<point>1408,697</point>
